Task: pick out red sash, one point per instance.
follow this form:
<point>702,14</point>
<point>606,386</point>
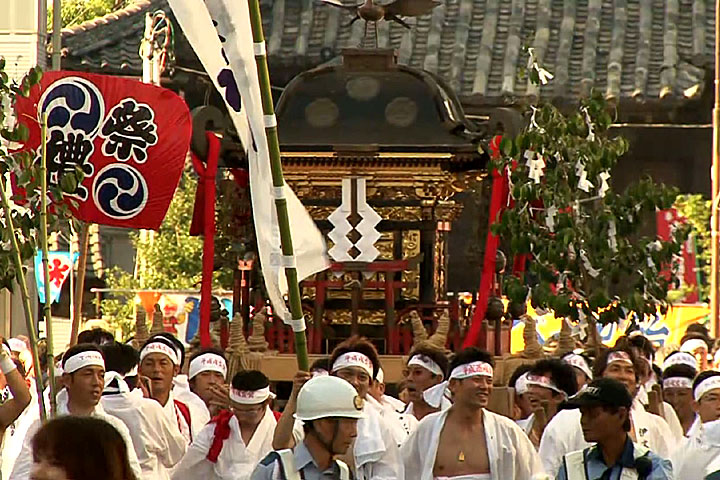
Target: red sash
<point>222,433</point>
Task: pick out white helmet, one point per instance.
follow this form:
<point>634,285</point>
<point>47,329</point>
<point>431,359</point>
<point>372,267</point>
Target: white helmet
<point>326,396</point>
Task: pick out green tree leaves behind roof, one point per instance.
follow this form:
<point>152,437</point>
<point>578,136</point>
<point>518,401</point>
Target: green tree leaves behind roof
<point>588,251</point>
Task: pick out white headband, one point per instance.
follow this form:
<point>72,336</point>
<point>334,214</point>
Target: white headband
<point>90,358</point>
<point>545,382</point>
<point>122,386</point>
<point>693,344</point>
<point>380,377</point>
<point>249,397</point>
<point>711,383</point>
<point>680,358</point>
<point>521,384</point>
<point>207,362</point>
<point>320,372</point>
<point>677,382</point>
<point>353,359</point>
<point>159,347</point>
<point>619,357</point>
<point>433,396</point>
<point>473,369</point>
<point>579,362</point>
<point>7,349</point>
<point>427,363</point>
<point>17,345</point>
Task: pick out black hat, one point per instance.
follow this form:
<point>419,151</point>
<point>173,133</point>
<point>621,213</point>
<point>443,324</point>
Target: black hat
<point>602,392</point>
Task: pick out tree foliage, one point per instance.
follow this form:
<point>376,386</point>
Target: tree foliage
<point>167,259</point>
<point>25,169</point>
<point>75,12</point>
<point>696,209</point>
<point>586,254</point>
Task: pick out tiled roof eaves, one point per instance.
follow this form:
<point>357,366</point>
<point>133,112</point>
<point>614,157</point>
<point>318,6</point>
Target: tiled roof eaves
<point>640,49</point>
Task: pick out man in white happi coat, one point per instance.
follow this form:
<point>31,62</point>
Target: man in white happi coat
<point>468,442</point>
<point>426,368</point>
<point>234,442</point>
<point>375,454</point>
<point>692,459</point>
<point>16,398</point>
<point>564,434</point>
<point>644,351</point>
<point>199,413</point>
<point>158,443</point>
<point>160,361</point>
<point>400,423</point>
<point>679,371</point>
<point>84,378</point>
<point>581,366</point>
<point>207,374</point>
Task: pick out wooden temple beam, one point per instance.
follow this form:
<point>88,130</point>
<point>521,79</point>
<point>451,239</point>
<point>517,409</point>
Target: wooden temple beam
<point>278,28</point>
<point>332,28</point>
<point>390,225</point>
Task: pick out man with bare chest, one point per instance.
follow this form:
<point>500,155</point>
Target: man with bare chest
<point>468,442</point>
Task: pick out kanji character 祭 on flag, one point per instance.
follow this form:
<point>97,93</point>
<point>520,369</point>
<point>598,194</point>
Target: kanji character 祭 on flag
<point>130,140</point>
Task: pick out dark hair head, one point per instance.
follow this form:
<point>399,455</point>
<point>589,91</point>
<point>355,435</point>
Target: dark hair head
<point>698,328</point>
<point>643,344</point>
<point>470,355</point>
<point>79,348</point>
<point>250,380</point>
<point>435,354</point>
<point>704,376</point>
<point>321,364</point>
<point>203,351</point>
<point>84,447</point>
<point>360,345</point>
<point>172,341</point>
<point>96,335</point>
<point>519,371</point>
<point>119,357</point>
<point>685,371</point>
<point>561,373</point>
<point>601,361</point>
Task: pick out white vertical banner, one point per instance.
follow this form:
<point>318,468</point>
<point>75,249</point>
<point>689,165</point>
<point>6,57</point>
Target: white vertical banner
<point>220,33</point>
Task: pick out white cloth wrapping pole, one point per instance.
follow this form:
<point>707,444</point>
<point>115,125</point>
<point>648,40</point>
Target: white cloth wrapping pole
<point>233,23</point>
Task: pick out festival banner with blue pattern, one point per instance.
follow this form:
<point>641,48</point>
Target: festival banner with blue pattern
<point>129,138</point>
<point>60,267</point>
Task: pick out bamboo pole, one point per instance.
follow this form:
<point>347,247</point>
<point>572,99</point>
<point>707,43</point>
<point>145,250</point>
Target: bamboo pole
<point>46,272</point>
<point>279,182</point>
<point>715,248</point>
<point>80,282</point>
<point>17,260</point>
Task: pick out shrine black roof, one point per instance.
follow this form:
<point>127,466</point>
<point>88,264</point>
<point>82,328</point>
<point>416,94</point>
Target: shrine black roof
<point>628,49</point>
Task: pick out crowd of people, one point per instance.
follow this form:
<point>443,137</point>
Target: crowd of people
<point>127,414</point>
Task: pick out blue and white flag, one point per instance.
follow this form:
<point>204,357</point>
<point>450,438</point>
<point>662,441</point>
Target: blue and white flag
<point>60,267</point>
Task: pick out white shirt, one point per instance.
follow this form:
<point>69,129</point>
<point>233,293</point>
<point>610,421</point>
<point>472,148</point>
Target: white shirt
<point>692,459</point>
<point>669,414</point>
<point>510,453</point>
<point>401,425</point>
<point>199,413</point>
<point>236,460</point>
<point>23,464</point>
<point>158,443</point>
<point>563,434</point>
